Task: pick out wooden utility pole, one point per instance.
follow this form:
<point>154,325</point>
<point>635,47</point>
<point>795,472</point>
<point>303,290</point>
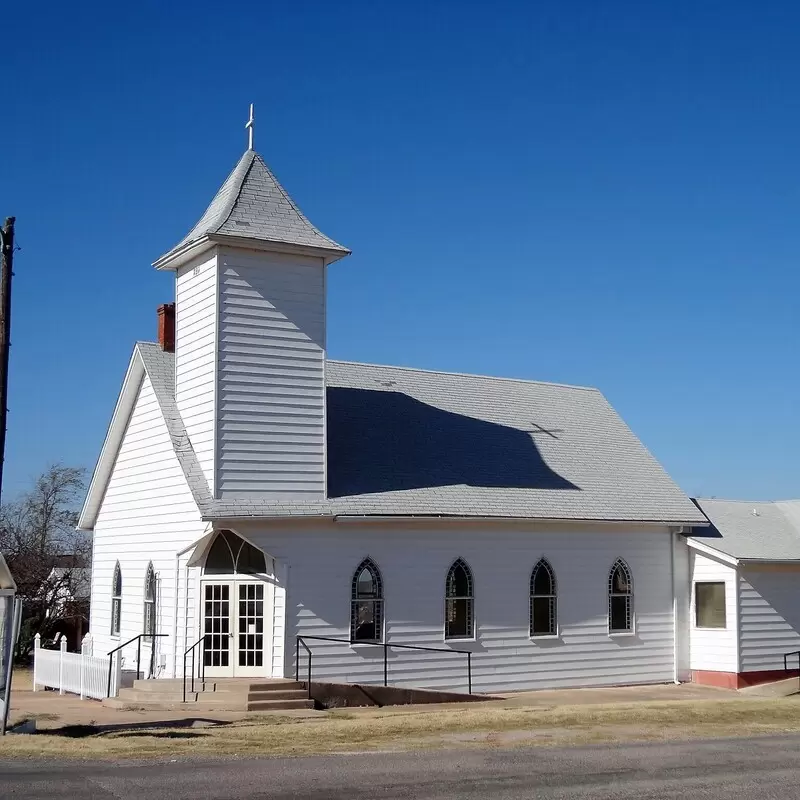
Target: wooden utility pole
<point>6,266</point>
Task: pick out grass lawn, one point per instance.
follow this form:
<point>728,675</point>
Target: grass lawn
<point>395,729</point>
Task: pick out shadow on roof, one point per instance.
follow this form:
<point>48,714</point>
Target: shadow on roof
<point>710,532</point>
<point>387,441</point>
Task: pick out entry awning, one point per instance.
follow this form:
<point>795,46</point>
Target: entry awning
<point>199,549</point>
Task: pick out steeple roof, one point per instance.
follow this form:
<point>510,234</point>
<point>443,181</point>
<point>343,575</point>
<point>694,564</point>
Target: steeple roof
<point>251,204</point>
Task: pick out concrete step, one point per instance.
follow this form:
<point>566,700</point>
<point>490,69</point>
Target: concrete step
<point>114,702</point>
<point>264,685</point>
<point>223,694</point>
<point>152,704</point>
<point>218,684</point>
<point>206,700</point>
<point>289,694</point>
<point>161,705</point>
<point>168,685</point>
<point>279,705</point>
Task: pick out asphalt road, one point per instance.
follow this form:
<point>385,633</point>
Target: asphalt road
<point>746,769</point>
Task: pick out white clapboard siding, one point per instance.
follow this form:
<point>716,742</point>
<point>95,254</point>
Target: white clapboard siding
<point>271,383</point>
<point>317,566</point>
<point>280,571</point>
<point>195,355</point>
<point>714,649</point>
<point>147,514</point>
<point>682,591</point>
<point>769,618</point>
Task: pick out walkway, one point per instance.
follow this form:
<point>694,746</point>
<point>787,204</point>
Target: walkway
<point>51,710</point>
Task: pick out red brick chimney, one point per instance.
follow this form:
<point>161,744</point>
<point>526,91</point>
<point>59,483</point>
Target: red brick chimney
<point>166,327</point>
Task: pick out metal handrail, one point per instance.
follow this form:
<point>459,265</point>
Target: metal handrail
<point>297,663</point>
<point>786,661</point>
<point>138,640</point>
<point>192,650</point>
<point>385,646</point>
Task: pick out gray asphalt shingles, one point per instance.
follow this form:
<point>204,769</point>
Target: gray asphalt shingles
<point>765,531</point>
<point>411,442</point>
<point>251,204</point>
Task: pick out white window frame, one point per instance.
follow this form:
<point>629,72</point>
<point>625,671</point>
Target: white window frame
<point>116,601</point>
<point>469,598</point>
<point>724,585</point>
<point>150,603</point>
<point>543,563</point>
<point>376,601</point>
<point>629,596</point>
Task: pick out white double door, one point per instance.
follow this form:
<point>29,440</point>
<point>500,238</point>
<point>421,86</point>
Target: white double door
<point>233,618</point>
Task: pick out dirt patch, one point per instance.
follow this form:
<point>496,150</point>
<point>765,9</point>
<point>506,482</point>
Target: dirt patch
<point>22,680</point>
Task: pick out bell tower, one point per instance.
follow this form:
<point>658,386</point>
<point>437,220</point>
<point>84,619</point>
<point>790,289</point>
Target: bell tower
<point>250,285</point>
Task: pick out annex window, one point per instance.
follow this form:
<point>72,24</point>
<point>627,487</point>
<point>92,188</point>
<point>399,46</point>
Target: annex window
<point>230,554</point>
<point>543,600</point>
<point>149,600</point>
<point>620,598</point>
<point>116,601</point>
<point>459,612</point>
<point>709,605</point>
<point>366,604</point>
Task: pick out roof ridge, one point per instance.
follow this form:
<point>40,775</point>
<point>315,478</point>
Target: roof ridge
<point>176,430</point>
<point>289,200</point>
<point>239,189</point>
<point>743,502</point>
<point>465,375</point>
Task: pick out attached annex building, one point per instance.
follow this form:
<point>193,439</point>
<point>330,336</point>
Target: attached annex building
<point>745,612</point>
<point>251,490</point>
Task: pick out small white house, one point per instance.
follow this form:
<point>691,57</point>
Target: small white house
<point>253,491</point>
<point>745,607</point>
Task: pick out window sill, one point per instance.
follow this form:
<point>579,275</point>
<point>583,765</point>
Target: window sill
<point>545,637</point>
<point>620,634</point>
<point>457,641</point>
<point>705,628</point>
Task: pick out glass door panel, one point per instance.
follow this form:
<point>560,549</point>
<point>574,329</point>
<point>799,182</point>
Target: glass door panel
<point>233,616</point>
<point>250,629</point>
<point>217,629</point>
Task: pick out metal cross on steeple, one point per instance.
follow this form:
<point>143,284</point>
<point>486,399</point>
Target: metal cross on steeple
<point>249,127</point>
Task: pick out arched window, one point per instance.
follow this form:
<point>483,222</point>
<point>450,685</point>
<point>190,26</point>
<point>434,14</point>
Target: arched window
<point>543,600</point>
<point>620,598</point>
<point>116,601</point>
<point>230,554</point>
<point>459,611</point>
<point>366,603</point>
<point>149,600</point>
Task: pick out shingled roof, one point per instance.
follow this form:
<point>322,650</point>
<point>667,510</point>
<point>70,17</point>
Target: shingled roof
<point>251,204</point>
<point>751,531</point>
<point>407,442</point>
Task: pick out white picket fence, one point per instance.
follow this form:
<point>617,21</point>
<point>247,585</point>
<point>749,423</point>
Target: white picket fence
<point>77,673</point>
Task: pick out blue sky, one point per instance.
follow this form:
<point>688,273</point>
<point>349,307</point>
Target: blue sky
<point>582,192</point>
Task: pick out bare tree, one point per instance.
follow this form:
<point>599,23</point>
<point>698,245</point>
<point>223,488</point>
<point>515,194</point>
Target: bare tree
<point>45,554</point>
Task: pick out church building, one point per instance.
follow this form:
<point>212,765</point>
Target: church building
<point>251,491</point>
